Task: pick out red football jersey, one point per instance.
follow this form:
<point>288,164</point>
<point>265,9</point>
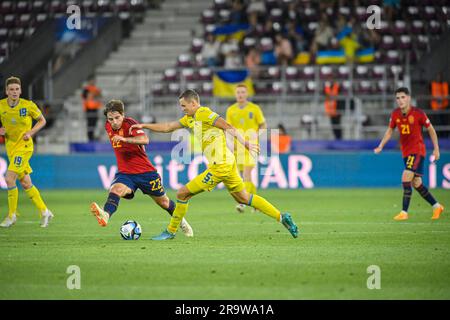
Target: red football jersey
<point>410,128</point>
<point>131,158</point>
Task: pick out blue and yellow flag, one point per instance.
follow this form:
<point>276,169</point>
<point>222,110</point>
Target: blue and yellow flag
<point>365,55</point>
<point>225,82</point>
<point>236,31</point>
<point>331,56</point>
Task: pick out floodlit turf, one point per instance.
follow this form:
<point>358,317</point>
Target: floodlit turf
<point>232,256</point>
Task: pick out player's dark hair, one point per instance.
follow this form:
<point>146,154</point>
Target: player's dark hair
<point>190,95</point>
<point>12,80</point>
<point>114,105</point>
<point>404,90</point>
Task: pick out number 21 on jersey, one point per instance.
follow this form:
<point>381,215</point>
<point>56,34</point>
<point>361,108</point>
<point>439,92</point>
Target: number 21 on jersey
<point>405,129</point>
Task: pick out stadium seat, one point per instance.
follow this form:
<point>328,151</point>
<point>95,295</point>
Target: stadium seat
<point>417,27</point>
<point>9,21</point>
<point>276,88</point>
<point>104,6</point>
<point>224,16</point>
<point>89,6</point>
<point>24,20</point>
<point>39,7</point>
<point>57,7</point>
<point>210,28</point>
<point>170,75</point>
<point>385,28</point>
<point>435,27</point>
<point>197,45</point>
<point>396,71</point>
<point>311,27</point>
<point>124,5</point>
<point>276,14</point>
<point>249,42</point>
<point>17,34</point>
<point>260,87</point>
<point>405,42</point>
<point>361,14</point>
<point>138,5</point>
<point>3,34</point>
<point>345,11</point>
<point>22,7</point>
<point>399,27</point>
<point>173,88</point>
<point>422,42</point>
<point>273,73</point>
<point>325,72</point>
<point>392,57</point>
<point>207,88</point>
<point>309,14</point>
<point>41,17</point>
<point>184,60</point>
<point>6,7</point>
<point>378,71</point>
<point>187,74</point>
<point>311,86</point>
<point>363,87</point>
<point>158,89</point>
<point>266,44</point>
<point>413,12</point>
<point>345,86</point>
<point>3,49</point>
<point>271,4</point>
<point>193,86</point>
<point>307,72</point>
<point>429,13</point>
<point>208,16</point>
<point>221,4</point>
<point>387,42</point>
<point>362,72</point>
<point>381,86</point>
<point>343,72</point>
<point>204,74</point>
<point>295,87</point>
<point>292,73</point>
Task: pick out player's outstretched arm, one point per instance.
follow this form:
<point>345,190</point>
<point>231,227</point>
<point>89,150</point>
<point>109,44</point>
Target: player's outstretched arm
<point>158,127</point>
<point>229,129</point>
<point>385,139</point>
<point>434,139</point>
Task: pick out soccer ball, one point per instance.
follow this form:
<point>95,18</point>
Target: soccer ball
<point>130,230</point>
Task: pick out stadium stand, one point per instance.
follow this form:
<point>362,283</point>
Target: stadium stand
<point>163,55</point>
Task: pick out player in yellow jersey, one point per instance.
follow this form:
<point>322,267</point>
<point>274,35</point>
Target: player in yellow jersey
<point>248,118</point>
<point>16,117</point>
<point>210,129</point>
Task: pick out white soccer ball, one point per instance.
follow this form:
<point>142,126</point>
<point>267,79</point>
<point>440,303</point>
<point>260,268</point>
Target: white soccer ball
<point>130,230</point>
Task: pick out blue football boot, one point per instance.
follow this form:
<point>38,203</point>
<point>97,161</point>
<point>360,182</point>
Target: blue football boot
<point>165,235</point>
<point>287,221</point>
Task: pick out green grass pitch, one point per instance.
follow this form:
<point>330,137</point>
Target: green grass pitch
<point>232,256</point>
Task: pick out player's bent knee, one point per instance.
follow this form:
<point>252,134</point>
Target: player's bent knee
<point>120,190</point>
<point>183,194</point>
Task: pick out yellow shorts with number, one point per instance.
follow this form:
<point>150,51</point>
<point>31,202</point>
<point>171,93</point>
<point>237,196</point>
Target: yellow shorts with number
<point>211,177</point>
<point>19,163</point>
<point>244,159</point>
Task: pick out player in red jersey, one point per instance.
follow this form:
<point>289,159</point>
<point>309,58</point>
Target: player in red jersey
<point>409,120</point>
<point>135,171</point>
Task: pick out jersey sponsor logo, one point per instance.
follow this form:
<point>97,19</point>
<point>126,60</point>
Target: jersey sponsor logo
<point>411,119</point>
<point>13,121</point>
<point>250,115</point>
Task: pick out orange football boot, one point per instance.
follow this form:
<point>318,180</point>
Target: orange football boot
<point>401,216</point>
<point>437,212</point>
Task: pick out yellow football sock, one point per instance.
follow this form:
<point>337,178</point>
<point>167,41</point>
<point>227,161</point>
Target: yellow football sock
<point>35,196</point>
<point>177,216</point>
<point>250,187</point>
<point>13,199</point>
<point>264,206</point>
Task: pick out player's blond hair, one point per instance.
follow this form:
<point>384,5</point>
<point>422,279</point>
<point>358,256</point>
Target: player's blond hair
<point>12,80</point>
<point>242,85</point>
<point>113,106</point>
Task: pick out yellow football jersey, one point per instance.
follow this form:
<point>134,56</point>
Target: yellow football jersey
<point>212,139</point>
<point>17,121</point>
<point>248,118</point>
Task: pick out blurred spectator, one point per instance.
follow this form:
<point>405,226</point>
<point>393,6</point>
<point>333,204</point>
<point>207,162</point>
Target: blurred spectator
<point>252,61</point>
<point>298,41</point>
<point>210,51</point>
<point>283,50</point>
<point>49,115</point>
<point>284,141</point>
<point>91,103</point>
<point>269,30</point>
<point>230,52</point>
<point>390,7</point>
<point>255,29</point>
<point>331,91</point>
<point>322,36</point>
<point>439,102</point>
<point>237,15</point>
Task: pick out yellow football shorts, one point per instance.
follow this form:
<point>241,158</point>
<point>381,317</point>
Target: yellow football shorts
<point>19,163</point>
<point>211,177</point>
